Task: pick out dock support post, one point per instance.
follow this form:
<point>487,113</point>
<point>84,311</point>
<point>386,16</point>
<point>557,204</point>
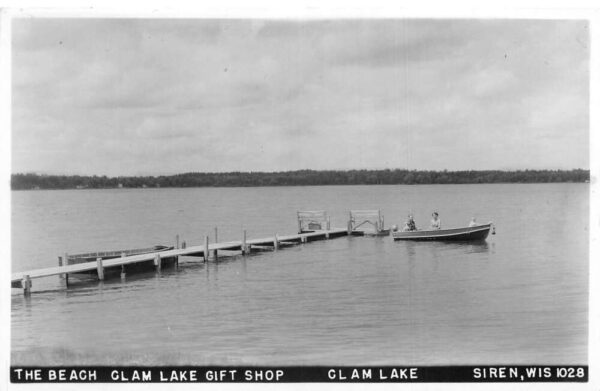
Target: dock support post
<point>66,263</point>
<point>205,253</point>
<point>275,243</point>
<point>349,227</point>
<point>303,239</point>
<point>100,269</point>
<point>299,223</point>
<point>183,245</point>
<point>60,263</point>
<point>215,255</point>
<point>26,283</point>
<point>328,223</point>
<point>157,262</point>
<point>177,241</point>
<point>327,234</point>
<point>123,275</point>
<point>244,246</point>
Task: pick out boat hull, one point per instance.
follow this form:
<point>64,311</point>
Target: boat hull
<point>479,232</point>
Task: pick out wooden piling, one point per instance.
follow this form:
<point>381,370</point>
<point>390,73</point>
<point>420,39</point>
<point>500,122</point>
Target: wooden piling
<point>183,245</point>
<point>64,277</point>
<point>66,263</point>
<point>157,262</point>
<point>215,255</point>
<point>177,241</point>
<point>327,234</point>
<point>123,275</point>
<point>100,269</point>
<point>303,239</point>
<point>275,243</point>
<point>328,223</point>
<point>60,264</point>
<point>205,252</point>
<point>244,246</point>
<point>26,283</point>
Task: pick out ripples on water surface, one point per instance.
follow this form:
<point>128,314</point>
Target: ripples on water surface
<point>520,297</point>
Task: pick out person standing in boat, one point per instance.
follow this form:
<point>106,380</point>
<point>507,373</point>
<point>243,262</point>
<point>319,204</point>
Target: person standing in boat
<point>410,224</point>
<point>435,222</point>
<point>473,223</point>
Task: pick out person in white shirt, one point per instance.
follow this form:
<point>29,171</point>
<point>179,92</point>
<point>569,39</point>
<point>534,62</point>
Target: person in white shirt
<point>436,223</point>
<point>473,223</point>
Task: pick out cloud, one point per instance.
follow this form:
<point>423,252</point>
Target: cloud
<point>119,96</point>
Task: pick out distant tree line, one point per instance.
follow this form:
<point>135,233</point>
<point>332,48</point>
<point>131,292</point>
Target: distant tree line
<point>297,178</point>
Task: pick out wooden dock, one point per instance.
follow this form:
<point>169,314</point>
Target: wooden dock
<point>312,225</point>
<point>23,279</point>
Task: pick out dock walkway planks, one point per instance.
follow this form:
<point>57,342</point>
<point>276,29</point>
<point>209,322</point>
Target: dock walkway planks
<point>234,245</point>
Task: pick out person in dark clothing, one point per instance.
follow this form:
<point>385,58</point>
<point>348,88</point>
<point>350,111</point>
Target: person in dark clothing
<point>410,224</point>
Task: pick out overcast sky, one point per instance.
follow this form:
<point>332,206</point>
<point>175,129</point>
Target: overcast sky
<point>129,97</point>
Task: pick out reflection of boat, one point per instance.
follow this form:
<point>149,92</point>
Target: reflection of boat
<point>478,232</point>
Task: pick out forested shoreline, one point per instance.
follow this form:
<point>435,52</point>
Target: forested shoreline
<point>296,178</point>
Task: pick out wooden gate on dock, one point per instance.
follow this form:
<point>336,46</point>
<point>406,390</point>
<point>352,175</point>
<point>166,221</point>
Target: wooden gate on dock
<point>366,221</point>
<point>313,220</point>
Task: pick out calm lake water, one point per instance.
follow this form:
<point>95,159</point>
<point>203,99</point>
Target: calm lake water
<point>519,297</point>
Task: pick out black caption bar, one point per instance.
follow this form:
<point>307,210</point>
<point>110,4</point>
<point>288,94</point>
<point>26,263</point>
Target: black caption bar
<point>400,374</point>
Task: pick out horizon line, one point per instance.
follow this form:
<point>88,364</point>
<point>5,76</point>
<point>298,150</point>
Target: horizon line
<point>294,171</point>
